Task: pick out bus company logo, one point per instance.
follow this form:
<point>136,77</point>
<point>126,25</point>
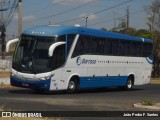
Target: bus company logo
<point>79,61</point>
<point>84,61</point>
<point>6,114</point>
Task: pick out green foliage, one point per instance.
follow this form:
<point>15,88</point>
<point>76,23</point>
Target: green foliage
<point>128,31</point>
<point>144,33</point>
<point>147,102</point>
<point>104,29</point>
<point>154,25</point>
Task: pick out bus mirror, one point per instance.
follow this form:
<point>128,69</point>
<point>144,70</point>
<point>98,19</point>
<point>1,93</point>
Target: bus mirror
<point>53,46</point>
<point>10,42</point>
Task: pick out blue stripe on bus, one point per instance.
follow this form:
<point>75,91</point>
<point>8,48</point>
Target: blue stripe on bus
<point>36,85</point>
<point>97,82</point>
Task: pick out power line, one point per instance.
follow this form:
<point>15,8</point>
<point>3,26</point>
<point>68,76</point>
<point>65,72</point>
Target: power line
<point>47,7</point>
<point>7,11</point>
<point>128,16</point>
<point>113,18</point>
<point>9,8</point>
<point>70,10</point>
<point>97,12</point>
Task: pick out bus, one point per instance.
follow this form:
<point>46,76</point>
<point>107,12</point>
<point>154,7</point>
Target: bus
<point>51,58</point>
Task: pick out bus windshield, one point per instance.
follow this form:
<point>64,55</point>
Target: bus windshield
<point>31,54</point>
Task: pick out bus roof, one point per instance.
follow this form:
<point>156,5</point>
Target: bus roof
<point>61,30</point>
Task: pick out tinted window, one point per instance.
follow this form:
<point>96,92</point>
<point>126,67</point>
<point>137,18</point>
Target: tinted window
<point>115,47</point>
<point>108,47</point>
<point>58,58</point>
<point>70,39</point>
<point>147,49</point>
<point>93,45</point>
<point>102,46</point>
<point>136,49</point>
<point>79,48</point>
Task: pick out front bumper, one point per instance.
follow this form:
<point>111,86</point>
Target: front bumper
<point>35,85</point>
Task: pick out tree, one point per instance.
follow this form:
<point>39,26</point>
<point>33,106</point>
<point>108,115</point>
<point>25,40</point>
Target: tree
<point>128,31</point>
<point>154,24</point>
<point>104,29</point>
<point>122,28</point>
<point>7,11</point>
<point>144,33</point>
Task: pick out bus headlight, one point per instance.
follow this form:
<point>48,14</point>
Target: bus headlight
<point>43,78</point>
<point>12,75</point>
<point>46,77</point>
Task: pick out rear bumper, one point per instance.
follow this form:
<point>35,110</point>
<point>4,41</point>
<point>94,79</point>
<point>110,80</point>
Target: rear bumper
<point>36,85</point>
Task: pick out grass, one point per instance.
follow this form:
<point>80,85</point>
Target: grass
<point>147,102</point>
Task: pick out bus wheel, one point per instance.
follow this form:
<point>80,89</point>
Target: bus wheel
<point>72,86</point>
<point>129,84</point>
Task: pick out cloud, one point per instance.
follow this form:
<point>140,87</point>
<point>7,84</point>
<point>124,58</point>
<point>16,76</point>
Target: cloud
<point>29,18</point>
<point>25,18</point>
<point>90,17</point>
<point>69,2</point>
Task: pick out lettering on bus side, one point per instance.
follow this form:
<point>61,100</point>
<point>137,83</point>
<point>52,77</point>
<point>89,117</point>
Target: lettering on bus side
<point>80,61</point>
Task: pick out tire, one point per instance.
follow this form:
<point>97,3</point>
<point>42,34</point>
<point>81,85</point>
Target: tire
<point>72,86</point>
<point>129,84</point>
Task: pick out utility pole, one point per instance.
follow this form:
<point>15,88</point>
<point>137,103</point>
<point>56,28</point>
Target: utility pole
<point>3,37</point>
<point>1,15</point>
<point>114,14</point>
<point>19,17</point>
<point>86,21</point>
<point>3,31</point>
<point>7,10</point>
<point>127,16</point>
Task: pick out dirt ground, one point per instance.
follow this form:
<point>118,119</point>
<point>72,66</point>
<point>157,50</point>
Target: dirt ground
<point>4,74</point>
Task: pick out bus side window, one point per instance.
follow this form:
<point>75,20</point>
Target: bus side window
<point>70,38</point>
<point>137,49</point>
<point>94,45</point>
<point>147,49</point>
<point>85,41</point>
<point>90,45</point>
<point>127,49</point>
<point>108,47</point>
<point>115,47</point>
<point>121,48</point>
<point>58,58</point>
<point>79,48</point>
<point>102,46</point>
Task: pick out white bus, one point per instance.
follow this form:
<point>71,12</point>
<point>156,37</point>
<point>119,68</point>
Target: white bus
<point>54,58</point>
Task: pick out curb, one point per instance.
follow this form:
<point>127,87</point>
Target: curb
<point>154,107</point>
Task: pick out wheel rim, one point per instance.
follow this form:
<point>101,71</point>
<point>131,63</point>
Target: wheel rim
<point>71,85</point>
<point>129,84</point>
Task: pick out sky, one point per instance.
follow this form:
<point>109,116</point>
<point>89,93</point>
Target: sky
<point>100,13</point>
